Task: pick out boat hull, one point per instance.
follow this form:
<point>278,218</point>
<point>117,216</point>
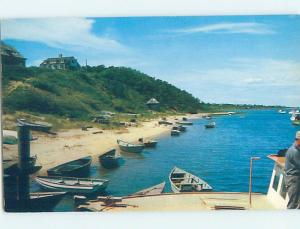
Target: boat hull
<point>81,168</point>
<point>150,144</point>
<point>110,162</point>
<point>70,189</point>
<point>130,148</point>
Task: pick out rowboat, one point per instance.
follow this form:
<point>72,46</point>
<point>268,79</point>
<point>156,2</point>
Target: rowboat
<point>164,122</point>
<point>185,123</point>
<point>282,112</point>
<point>210,125</point>
<point>79,167</point>
<point>110,159</point>
<point>11,166</point>
<point>153,190</point>
<point>182,181</point>
<point>180,128</point>
<point>175,132</point>
<point>72,184</point>
<point>44,201</point>
<point>296,122</point>
<point>130,147</point>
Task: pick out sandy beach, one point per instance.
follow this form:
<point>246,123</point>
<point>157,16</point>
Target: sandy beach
<point>52,150</point>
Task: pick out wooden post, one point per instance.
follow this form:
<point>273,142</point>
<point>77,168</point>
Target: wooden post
<point>250,178</point>
<point>23,166</point>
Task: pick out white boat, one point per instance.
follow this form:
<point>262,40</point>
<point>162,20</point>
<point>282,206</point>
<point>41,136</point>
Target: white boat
<point>182,181</point>
<point>175,132</point>
<point>130,147</point>
<point>72,184</point>
<point>282,112</point>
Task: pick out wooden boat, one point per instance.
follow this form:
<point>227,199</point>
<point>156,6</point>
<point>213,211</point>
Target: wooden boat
<point>72,184</point>
<point>44,201</point>
<point>148,143</point>
<point>110,159</point>
<point>164,122</point>
<point>11,166</point>
<point>182,181</point>
<point>296,122</point>
<point>79,167</point>
<point>153,190</point>
<point>175,132</point>
<point>210,125</point>
<point>185,123</point>
<point>129,147</point>
<point>180,128</point>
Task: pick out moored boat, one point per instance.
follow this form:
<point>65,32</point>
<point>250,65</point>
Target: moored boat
<point>153,190</point>
<point>164,122</point>
<point>282,112</point>
<point>182,181</point>
<point>210,125</point>
<point>79,167</point>
<point>185,123</point>
<point>110,159</point>
<point>72,184</point>
<point>130,147</point>
<point>175,132</point>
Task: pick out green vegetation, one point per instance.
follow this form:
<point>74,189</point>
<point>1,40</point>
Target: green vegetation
<point>82,93</point>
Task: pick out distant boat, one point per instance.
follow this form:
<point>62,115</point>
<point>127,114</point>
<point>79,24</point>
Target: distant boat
<point>79,167</point>
<point>148,143</point>
<point>185,123</point>
<point>182,181</point>
<point>110,159</point>
<point>281,111</point>
<point>153,190</point>
<point>206,116</point>
<point>184,119</point>
<point>210,125</point>
<point>175,132</point>
<point>180,128</point>
<point>164,122</point>
<point>72,184</point>
<point>130,147</point>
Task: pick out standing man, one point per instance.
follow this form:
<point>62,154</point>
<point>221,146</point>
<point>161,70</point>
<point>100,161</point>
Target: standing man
<point>292,170</point>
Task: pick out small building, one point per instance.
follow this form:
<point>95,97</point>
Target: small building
<point>153,104</point>
<point>61,62</point>
<point>10,56</point>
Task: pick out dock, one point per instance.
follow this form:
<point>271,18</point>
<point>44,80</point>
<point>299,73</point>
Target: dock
<point>184,202</point>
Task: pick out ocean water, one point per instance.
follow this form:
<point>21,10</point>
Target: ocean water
<point>220,156</point>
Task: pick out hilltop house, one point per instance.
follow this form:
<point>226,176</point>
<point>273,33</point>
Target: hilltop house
<point>60,62</point>
<point>153,104</point>
<point>10,56</point>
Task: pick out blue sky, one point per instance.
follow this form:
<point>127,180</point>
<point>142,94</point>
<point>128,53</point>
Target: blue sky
<point>230,59</point>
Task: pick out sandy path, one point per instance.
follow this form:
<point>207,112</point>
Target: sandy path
<point>73,144</point>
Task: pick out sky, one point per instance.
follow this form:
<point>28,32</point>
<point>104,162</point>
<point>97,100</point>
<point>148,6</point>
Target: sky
<point>218,59</point>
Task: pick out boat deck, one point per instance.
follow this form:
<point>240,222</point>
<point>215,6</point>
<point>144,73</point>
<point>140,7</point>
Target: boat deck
<point>185,202</point>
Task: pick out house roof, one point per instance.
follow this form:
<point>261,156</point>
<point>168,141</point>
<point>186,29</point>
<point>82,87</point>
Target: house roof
<point>7,50</point>
<point>152,101</point>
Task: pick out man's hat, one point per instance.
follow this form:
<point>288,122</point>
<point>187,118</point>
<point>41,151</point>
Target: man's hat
<point>298,135</point>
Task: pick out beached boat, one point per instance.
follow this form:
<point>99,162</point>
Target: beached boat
<point>185,123</point>
<point>164,122</point>
<point>184,119</point>
<point>210,125</point>
<point>182,181</point>
<point>11,166</point>
<point>110,159</point>
<point>175,132</point>
<point>44,201</point>
<point>153,190</point>
<point>72,184</point>
<point>129,147</point>
<point>148,143</point>
<point>79,167</point>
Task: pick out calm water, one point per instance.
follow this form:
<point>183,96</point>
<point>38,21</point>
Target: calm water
<point>220,156</point>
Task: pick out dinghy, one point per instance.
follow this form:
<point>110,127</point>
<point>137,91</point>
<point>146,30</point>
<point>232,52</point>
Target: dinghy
<point>110,159</point>
<point>153,190</point>
<point>72,184</point>
<point>182,181</point>
<point>79,167</point>
<point>130,147</point>
<point>210,125</point>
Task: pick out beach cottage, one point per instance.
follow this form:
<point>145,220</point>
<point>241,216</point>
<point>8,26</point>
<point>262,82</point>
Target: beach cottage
<point>60,62</point>
<point>153,104</point>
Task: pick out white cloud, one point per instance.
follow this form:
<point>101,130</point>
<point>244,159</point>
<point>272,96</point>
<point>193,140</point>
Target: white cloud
<point>247,27</point>
<point>67,33</point>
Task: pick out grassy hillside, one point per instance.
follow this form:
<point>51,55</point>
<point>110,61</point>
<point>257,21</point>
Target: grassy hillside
<point>82,93</point>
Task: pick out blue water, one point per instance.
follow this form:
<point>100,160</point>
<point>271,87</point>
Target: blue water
<point>220,156</point>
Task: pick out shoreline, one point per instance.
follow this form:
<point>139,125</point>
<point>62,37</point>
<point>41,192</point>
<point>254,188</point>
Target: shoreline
<point>68,145</point>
